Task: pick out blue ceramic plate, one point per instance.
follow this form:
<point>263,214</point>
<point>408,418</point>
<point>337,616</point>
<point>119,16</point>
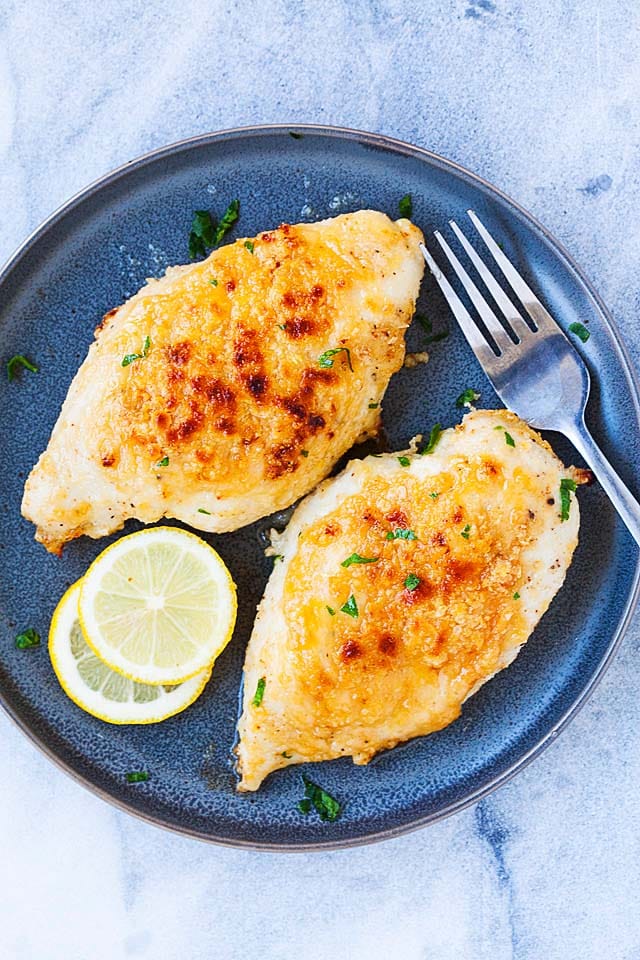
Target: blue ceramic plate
<point>94,253</point>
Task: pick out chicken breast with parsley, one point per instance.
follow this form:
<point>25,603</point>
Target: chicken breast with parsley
<point>405,583</point>
<point>227,389</point>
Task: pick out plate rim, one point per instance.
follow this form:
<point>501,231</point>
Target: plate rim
<point>404,148</point>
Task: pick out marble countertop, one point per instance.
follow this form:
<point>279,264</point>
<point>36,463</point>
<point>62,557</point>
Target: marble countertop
<point>542,99</point>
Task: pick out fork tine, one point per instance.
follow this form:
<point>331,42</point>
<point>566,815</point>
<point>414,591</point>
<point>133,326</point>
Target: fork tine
<point>491,322</point>
<point>512,315</point>
<point>476,341</point>
<point>520,287</point>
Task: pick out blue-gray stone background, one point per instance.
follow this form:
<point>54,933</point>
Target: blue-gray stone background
<point>543,99</point>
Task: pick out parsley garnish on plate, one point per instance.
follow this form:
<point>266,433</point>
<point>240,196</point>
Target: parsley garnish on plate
<point>356,558</point>
<point>516,595</point>
<point>229,217</point>
<point>401,533</point>
<point>373,406</point>
<point>467,396</point>
<point>332,612</point>
<point>214,282</point>
<point>350,607</point>
<point>249,245</point>
<point>412,582</point>
<point>163,463</point>
<point>404,461</point>
<point>28,638</point>
<point>137,776</point>
<point>427,326</point>
<point>327,806</point>
<point>434,494</point>
<point>202,234</point>
<point>130,357</point>
<point>19,361</point>
<point>259,694</point>
<point>405,206</point>
<point>580,331</point>
<point>465,532</point>
<point>567,487</point>
<point>202,510</point>
<point>434,436</point>
<point>326,360</point>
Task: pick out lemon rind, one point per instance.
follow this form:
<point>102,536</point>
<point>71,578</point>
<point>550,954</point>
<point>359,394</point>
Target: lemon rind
<point>64,666</point>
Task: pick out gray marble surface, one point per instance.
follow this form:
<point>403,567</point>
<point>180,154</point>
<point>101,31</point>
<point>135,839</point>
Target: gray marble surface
<point>543,99</point>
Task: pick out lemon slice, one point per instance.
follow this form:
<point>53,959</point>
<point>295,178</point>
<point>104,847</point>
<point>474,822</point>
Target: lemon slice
<point>158,606</point>
<point>92,685</point>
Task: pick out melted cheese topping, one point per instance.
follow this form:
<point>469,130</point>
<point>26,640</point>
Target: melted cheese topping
<point>232,414</point>
<point>440,609</point>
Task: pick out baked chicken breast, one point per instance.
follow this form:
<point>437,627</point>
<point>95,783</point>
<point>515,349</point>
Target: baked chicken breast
<point>405,584</point>
<point>227,389</point>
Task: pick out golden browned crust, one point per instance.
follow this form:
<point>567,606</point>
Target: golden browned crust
<point>461,550</point>
<point>232,397</point>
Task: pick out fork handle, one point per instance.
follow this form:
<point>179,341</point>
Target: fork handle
<point>619,494</point>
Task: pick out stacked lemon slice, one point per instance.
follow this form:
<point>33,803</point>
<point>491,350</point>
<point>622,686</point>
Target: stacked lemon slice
<point>135,640</point>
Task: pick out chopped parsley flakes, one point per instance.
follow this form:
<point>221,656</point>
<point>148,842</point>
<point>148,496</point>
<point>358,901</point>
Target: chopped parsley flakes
<point>326,360</point>
<point>508,439</point>
<point>259,694</point>
<point>567,487</point>
<point>249,245</point>
<point>213,282</point>
<point>332,612</point>
<point>434,436</point>
<point>327,806</point>
<point>427,326</point>
<point>405,206</point>
<point>130,357</point>
<point>202,234</point>
<point>467,397</point>
<point>401,533</point>
<point>305,453</point>
<point>19,361</point>
<point>412,582</point>
<point>350,607</point>
<point>137,776</point>
<point>580,331</point>
<point>356,558</point>
<point>516,595</point>
<point>28,638</point>
<point>465,533</point>
<point>229,217</point>
<point>163,463</point>
<point>373,406</point>
<point>202,510</point>
<point>404,461</point>
<point>434,494</point>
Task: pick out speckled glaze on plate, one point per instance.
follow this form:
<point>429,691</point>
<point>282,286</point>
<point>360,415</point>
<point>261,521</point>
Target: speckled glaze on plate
<point>96,251</point>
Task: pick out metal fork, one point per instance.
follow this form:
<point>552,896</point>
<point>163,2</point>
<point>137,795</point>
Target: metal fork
<point>533,367</point>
